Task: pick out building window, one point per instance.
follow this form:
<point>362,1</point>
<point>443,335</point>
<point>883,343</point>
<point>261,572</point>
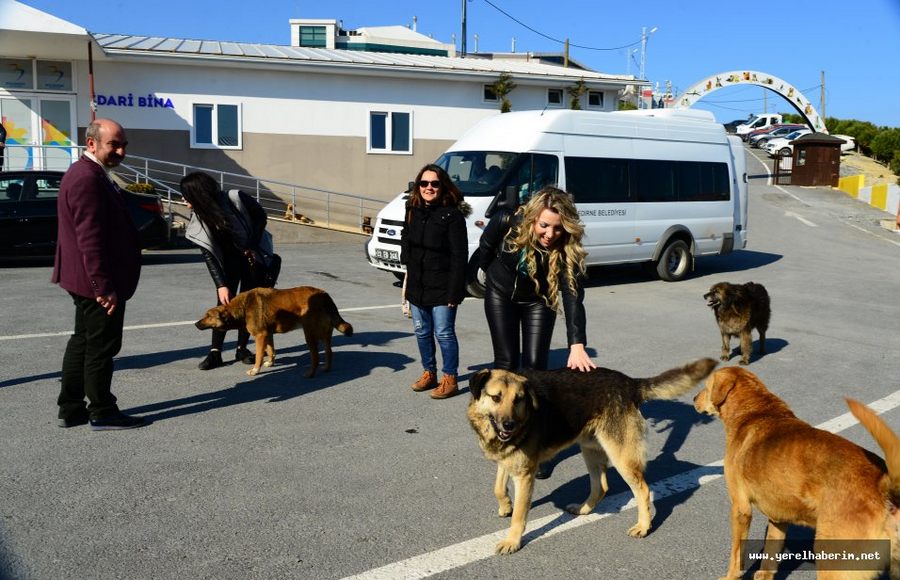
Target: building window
<point>390,132</point>
<point>313,36</point>
<point>216,126</point>
<point>554,97</point>
<point>490,95</point>
<point>595,99</point>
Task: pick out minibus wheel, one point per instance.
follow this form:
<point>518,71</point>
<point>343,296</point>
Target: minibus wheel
<point>675,261</point>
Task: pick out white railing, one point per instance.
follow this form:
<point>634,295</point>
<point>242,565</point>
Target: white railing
<point>297,203</point>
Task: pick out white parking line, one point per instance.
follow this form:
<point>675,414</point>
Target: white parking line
<point>800,218</point>
<point>167,324</point>
<point>470,551</point>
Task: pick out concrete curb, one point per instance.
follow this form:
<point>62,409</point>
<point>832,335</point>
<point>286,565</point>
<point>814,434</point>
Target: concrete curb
<point>884,196</point>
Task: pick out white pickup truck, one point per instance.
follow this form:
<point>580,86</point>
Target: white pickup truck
<point>757,122</point>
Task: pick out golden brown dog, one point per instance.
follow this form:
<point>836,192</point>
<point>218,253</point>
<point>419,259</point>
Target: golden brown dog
<point>267,311</point>
<point>797,474</point>
<point>527,417</point>
<point>739,308</point>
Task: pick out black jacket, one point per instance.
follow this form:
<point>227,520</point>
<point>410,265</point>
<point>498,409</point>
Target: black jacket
<point>502,270</point>
<point>435,249</point>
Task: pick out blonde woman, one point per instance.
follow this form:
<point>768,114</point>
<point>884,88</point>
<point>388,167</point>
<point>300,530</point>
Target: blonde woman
<point>534,262</point>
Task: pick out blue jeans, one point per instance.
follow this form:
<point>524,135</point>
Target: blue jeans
<point>438,322</point>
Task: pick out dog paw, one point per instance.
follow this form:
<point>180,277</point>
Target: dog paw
<point>638,531</point>
<point>579,509</point>
<point>763,575</point>
<point>724,357</point>
<point>310,373</point>
<point>505,509</point>
<point>253,372</point>
<point>508,546</point>
<point>744,362</point>
<point>267,363</point>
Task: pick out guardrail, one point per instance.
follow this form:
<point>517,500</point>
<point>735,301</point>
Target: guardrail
<point>283,200</point>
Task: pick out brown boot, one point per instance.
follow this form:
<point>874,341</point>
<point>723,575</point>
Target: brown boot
<point>428,380</point>
<point>447,388</point>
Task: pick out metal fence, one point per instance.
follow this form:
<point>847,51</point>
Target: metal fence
<point>288,201</point>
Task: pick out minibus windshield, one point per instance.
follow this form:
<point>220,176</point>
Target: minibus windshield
<point>478,173</point>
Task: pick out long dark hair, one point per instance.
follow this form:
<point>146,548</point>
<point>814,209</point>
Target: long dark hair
<point>203,193</point>
<point>450,195</point>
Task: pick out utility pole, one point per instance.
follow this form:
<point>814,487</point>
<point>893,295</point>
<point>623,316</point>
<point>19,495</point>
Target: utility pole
<point>462,43</point>
<point>644,36</point>
<point>822,97</point>
<point>566,57</point>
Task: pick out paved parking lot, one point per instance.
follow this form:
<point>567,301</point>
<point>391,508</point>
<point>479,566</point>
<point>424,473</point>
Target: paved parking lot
<point>278,476</point>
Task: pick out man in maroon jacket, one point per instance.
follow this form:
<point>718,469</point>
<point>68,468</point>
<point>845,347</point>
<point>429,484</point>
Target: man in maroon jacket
<point>98,261</point>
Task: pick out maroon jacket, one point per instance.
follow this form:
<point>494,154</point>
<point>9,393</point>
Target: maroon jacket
<point>97,246</point>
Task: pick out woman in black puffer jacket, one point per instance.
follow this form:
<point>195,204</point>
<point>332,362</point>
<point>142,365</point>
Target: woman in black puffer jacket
<point>434,249</point>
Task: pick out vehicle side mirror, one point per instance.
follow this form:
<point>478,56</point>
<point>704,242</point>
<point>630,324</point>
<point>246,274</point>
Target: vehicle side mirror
<point>409,186</point>
<point>507,199</point>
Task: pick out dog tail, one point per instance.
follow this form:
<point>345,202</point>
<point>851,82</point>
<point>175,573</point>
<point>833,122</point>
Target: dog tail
<point>339,323</point>
<point>886,439</point>
<point>675,382</point>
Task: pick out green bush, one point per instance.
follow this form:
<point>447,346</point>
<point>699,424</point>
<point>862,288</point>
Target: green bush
<point>141,188</point>
<point>886,145</point>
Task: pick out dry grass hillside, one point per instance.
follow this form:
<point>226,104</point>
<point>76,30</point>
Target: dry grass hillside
<point>854,164</point>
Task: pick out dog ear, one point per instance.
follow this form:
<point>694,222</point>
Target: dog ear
<point>477,382</point>
<point>723,381</point>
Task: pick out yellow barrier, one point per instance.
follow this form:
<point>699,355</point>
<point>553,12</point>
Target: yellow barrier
<point>879,196</point>
<point>851,185</point>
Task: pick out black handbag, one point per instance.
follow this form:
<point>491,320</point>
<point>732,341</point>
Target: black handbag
<point>266,268</point>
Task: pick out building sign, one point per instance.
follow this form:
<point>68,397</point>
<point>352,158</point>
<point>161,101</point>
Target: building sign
<point>54,75</point>
<point>130,100</point>
<point>16,73</point>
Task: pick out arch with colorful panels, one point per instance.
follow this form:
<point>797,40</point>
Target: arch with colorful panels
<point>765,80</point>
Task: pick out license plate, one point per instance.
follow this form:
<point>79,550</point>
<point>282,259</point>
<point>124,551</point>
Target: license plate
<point>389,255</point>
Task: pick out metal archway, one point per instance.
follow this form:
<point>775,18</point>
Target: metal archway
<point>765,80</point>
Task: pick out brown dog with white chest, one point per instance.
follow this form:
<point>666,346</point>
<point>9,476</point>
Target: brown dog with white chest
<point>797,474</point>
<point>265,312</point>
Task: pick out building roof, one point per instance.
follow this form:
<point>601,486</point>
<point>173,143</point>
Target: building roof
<point>114,45</point>
<point>20,17</point>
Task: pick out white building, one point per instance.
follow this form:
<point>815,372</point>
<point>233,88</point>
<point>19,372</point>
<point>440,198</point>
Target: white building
<point>341,119</point>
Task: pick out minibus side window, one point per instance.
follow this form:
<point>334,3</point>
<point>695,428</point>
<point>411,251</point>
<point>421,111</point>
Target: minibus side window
<point>701,181</point>
<point>598,180</point>
<point>655,180</point>
<point>536,171</point>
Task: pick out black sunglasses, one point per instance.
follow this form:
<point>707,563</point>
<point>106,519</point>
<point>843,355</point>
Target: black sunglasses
<point>435,184</point>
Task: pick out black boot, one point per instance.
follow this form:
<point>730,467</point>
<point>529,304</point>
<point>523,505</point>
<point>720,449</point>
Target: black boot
<point>212,361</point>
<point>244,355</point>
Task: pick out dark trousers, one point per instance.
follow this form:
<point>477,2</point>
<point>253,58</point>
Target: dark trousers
<point>529,324</point>
<point>87,366</point>
<point>245,280</point>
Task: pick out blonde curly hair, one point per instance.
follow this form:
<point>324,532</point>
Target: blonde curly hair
<point>567,253</point>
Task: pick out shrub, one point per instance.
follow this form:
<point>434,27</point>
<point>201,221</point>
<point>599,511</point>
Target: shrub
<point>141,188</point>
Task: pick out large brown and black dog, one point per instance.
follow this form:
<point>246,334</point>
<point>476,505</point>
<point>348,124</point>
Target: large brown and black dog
<point>797,474</point>
<point>267,311</point>
<point>739,308</point>
<point>525,418</point>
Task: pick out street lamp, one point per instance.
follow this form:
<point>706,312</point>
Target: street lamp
<point>644,36</point>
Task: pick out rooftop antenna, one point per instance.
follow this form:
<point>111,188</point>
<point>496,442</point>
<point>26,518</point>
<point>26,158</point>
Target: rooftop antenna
<point>514,44</point>
<point>462,42</point>
<point>415,22</point>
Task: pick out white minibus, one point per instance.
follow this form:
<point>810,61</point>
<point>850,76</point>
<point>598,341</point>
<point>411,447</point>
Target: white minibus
<point>658,186</point>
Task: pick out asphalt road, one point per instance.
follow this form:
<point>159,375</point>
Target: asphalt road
<point>278,476</point>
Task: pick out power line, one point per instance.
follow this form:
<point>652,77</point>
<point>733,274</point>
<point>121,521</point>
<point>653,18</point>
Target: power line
<point>548,37</point>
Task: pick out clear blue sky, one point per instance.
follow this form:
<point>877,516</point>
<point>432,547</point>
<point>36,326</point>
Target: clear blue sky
<point>856,43</point>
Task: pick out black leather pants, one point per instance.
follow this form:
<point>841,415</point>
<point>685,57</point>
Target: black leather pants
<point>529,324</point>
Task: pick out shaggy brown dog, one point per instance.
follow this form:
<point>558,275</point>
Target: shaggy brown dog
<point>739,308</point>
<point>525,418</point>
<point>797,474</point>
<point>267,311</point>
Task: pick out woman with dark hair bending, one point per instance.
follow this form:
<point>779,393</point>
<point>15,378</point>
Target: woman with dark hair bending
<point>435,249</point>
<point>226,227</point>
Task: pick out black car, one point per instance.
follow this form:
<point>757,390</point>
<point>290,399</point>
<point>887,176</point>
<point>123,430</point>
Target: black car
<point>28,214</point>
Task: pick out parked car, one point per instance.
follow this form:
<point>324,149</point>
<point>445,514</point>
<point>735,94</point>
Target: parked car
<point>782,145</point>
<point>849,143</point>
<point>760,138</point>
<point>757,122</point>
<point>28,214</point>
<point>731,126</point>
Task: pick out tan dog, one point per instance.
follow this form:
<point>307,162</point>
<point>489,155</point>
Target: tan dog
<point>267,311</point>
<point>524,418</point>
<point>739,308</point>
<point>797,474</point>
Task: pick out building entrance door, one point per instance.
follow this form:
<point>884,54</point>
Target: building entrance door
<point>40,131</point>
